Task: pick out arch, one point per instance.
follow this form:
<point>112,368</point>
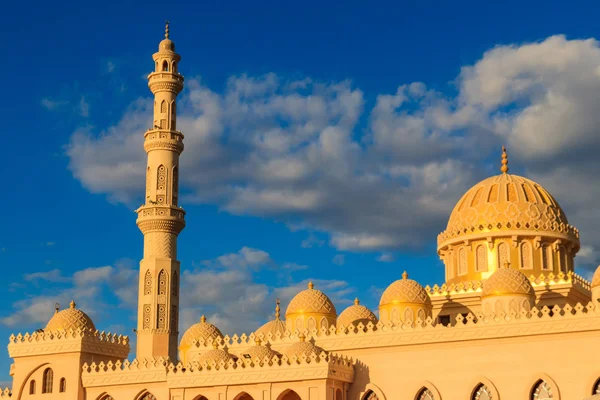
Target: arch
<point>427,392</point>
<point>62,387</point>
<point>481,259</point>
<point>243,396</point>
<point>409,316</point>
<point>146,395</point>
<point>299,324</point>
<point>324,323</point>
<point>165,66</point>
<point>47,380</point>
<point>372,392</point>
<point>542,379</point>
<point>162,282</point>
<point>105,396</point>
<point>174,66</point>
<point>489,386</point>
<point>546,257</point>
<point>562,256</point>
<point>163,107</point>
<point>29,375</point>
<point>148,282</point>
<point>339,395</point>
<point>526,255</point>
<point>311,324</point>
<point>596,387</point>
<point>289,394</point>
<point>462,261</point>
<point>200,397</point>
<point>175,284</point>
<point>32,387</point>
<point>503,254</point>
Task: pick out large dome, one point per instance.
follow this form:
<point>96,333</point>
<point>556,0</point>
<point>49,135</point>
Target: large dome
<point>70,319</point>
<point>201,330</point>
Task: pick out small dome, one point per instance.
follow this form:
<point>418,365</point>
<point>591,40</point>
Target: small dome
<point>166,45</point>
<point>311,301</point>
<point>507,281</point>
<point>405,291</point>
<point>70,318</point>
<point>596,278</point>
<point>259,352</point>
<point>215,355</point>
<point>301,348</point>
<point>202,330</point>
<point>273,327</point>
<point>356,314</point>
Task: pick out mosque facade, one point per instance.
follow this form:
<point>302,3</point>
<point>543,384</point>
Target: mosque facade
<point>512,321</point>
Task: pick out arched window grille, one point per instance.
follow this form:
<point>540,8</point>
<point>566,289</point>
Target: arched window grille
<point>63,385</point>
<point>541,391</point>
<point>425,394</point>
<point>47,380</point>
<point>596,389</point>
<point>147,396</point>
<point>482,393</point>
<point>370,395</point>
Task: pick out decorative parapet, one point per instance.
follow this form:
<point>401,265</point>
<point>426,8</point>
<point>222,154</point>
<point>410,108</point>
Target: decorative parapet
<point>52,342</point>
<point>454,288</point>
<point>322,366</point>
<point>6,393</point>
<point>123,373</point>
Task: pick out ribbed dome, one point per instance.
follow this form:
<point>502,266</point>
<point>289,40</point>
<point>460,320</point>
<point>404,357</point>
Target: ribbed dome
<point>215,355</point>
<point>596,278</point>
<point>356,314</point>
<point>404,291</point>
<point>202,330</point>
<point>70,318</point>
<point>507,281</point>
<point>311,301</point>
<point>302,348</point>
<point>507,203</point>
<point>166,45</point>
<point>259,352</point>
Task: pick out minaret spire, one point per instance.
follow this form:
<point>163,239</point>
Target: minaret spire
<point>160,218</point>
<point>504,167</point>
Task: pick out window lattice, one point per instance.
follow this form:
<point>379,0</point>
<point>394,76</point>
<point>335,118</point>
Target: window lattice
<point>161,315</point>
<point>147,396</point>
<point>148,283</point>
<point>482,393</point>
<point>426,395</point>
<point>371,396</point>
<point>162,282</point>
<point>502,255</point>
<point>482,261</point>
<point>542,391</point>
<point>526,261</point>
<point>161,184</point>
<point>163,106</point>
<point>175,284</point>
<point>462,261</point>
<point>47,381</point>
<point>63,385</point>
<point>146,316</point>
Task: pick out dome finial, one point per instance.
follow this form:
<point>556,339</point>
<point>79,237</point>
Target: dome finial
<point>356,302</point>
<point>203,318</point>
<point>56,308</point>
<point>405,275</point>
<point>504,167</point>
<point>277,309</point>
<point>166,29</point>
<point>311,285</point>
<point>72,304</point>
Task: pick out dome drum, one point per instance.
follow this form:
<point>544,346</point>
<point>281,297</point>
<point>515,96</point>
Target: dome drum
<point>506,291</point>
<point>310,310</point>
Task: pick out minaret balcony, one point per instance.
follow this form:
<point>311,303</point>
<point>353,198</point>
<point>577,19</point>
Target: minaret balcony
<point>165,81</point>
<point>160,218</point>
<point>163,139</point>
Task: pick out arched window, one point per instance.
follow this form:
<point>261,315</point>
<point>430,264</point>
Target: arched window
<point>311,324</point>
<point>324,323</point>
<point>174,284</point>
<point>165,66</point>
<point>32,387</point>
<point>47,381</point>
<point>63,385</point>
<point>106,397</point>
<point>503,257</point>
<point>546,257</point>
<point>147,396</point>
<point>338,395</point>
<point>289,395</point>
<point>596,389</point>
<point>174,66</point>
<point>148,282</point>
<point>162,282</point>
<point>482,261</point>
<point>370,395</point>
<point>541,391</point>
<point>482,393</point>
<point>425,394</point>
<point>563,259</point>
<point>462,261</point>
<point>526,256</point>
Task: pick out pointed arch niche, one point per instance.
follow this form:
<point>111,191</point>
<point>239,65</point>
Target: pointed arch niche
<point>543,388</point>
<point>483,389</point>
<point>426,391</point>
<point>372,392</point>
<point>243,396</point>
<point>146,396</point>
<point>289,394</point>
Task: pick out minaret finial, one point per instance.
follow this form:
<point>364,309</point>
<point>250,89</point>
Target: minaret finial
<point>311,285</point>
<point>56,308</point>
<point>72,304</point>
<point>356,302</point>
<point>405,275</point>
<point>166,29</point>
<point>203,319</point>
<point>277,309</point>
<point>504,167</point>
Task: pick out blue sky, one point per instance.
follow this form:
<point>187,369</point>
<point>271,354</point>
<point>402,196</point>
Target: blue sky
<point>325,141</point>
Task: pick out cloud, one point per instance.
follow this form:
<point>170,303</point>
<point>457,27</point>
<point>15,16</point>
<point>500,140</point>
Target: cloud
<point>377,177</point>
<point>312,241</point>
<point>50,105</point>
<point>84,107</point>
<point>54,275</point>
<point>339,259</point>
<point>110,66</point>
<point>385,257</point>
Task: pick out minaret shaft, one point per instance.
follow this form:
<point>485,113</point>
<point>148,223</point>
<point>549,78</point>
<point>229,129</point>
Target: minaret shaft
<point>160,218</point>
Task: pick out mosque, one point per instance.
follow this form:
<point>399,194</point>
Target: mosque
<point>513,321</point>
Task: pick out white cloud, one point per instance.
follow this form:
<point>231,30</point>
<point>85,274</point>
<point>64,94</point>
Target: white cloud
<point>339,259</point>
<point>385,257</point>
<point>309,154</point>
<point>110,66</point>
<point>54,275</point>
<point>312,241</point>
<point>50,104</point>
<point>84,107</point>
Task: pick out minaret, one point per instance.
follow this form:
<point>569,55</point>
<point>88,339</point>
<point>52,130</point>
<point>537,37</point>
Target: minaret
<point>161,219</point>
